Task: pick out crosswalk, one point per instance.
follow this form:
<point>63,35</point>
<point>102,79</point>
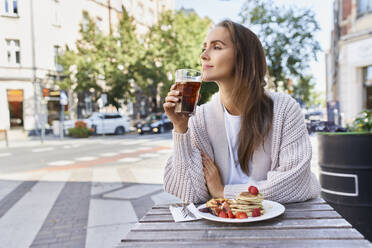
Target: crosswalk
<point>110,212</point>
<point>19,226</point>
<point>86,206</point>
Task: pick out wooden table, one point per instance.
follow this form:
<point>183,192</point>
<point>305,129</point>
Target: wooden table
<point>309,224</point>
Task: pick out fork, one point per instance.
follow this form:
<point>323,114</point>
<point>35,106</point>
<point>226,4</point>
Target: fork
<point>186,212</point>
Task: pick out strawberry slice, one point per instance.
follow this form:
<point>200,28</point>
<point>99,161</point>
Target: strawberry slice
<point>256,212</point>
<point>253,190</point>
<point>241,215</point>
<point>222,214</point>
<point>230,214</point>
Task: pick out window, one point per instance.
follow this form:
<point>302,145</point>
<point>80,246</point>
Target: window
<point>85,21</point>
<point>364,6</point>
<point>11,7</point>
<point>141,11</point>
<point>13,52</point>
<point>99,23</point>
<point>56,14</point>
<point>367,81</point>
<point>59,67</point>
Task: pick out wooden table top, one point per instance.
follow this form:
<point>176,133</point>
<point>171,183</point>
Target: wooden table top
<point>309,224</point>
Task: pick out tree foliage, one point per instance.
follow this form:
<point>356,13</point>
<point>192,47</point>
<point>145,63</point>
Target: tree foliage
<point>103,63</point>
<point>175,42</point>
<point>287,35</point>
<point>119,63</point>
<point>305,91</point>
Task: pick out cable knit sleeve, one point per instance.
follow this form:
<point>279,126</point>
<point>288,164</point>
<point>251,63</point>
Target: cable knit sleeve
<point>183,176</point>
<point>291,180</point>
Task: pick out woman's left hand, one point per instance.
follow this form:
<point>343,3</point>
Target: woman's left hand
<point>212,177</point>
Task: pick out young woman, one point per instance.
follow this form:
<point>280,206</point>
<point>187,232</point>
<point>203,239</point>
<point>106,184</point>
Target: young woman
<point>245,135</point>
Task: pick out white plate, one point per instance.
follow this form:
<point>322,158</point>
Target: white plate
<point>272,210</point>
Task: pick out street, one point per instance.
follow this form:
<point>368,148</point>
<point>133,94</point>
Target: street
<point>81,192</point>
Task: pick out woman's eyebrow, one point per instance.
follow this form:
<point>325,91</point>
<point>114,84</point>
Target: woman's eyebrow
<point>214,41</point>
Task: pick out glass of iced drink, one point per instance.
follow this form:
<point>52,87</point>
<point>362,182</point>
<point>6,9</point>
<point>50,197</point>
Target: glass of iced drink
<point>188,83</point>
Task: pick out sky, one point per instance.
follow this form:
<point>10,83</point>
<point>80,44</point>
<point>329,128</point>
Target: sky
<point>218,10</point>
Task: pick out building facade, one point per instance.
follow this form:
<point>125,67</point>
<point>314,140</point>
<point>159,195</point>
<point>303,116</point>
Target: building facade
<point>349,61</point>
<point>31,36</point>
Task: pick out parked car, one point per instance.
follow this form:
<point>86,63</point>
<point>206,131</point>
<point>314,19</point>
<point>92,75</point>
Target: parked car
<point>324,126</point>
<point>154,123</point>
<point>108,123</point>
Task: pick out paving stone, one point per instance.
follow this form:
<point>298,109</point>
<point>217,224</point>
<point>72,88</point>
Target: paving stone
<point>68,217</point>
<point>14,196</point>
<point>164,197</point>
<point>135,191</point>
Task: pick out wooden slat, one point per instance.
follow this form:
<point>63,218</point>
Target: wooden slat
<point>158,211</point>
<point>287,215</point>
<point>252,243</point>
<point>311,201</point>
<point>306,207</point>
<point>264,225</point>
<point>229,234</point>
<point>326,214</point>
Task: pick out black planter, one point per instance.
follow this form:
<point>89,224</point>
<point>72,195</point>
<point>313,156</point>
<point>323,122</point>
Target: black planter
<point>345,161</point>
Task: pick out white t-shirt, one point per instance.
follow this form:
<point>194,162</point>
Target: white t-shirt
<point>232,124</point>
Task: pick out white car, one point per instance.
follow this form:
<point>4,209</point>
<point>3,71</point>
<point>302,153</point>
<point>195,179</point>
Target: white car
<point>108,123</point>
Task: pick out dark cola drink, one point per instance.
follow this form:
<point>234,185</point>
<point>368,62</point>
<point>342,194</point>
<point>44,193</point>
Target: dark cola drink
<point>189,92</point>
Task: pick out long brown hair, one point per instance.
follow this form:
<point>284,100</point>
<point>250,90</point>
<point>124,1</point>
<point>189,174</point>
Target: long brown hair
<point>248,93</point>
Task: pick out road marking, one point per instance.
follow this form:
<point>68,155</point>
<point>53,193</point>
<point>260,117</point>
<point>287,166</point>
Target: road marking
<point>129,160</point>
<point>108,154</point>
<point>61,163</point>
<point>66,146</point>
<point>75,145</point>
<point>4,154</point>
<point>165,151</point>
<point>134,192</point>
<point>85,158</point>
<point>20,225</point>
<point>149,155</point>
<point>109,142</point>
<point>128,150</point>
<point>7,186</point>
<point>104,229</point>
<point>107,221</point>
<point>44,149</point>
<point>105,179</point>
<point>134,142</point>
<point>99,161</point>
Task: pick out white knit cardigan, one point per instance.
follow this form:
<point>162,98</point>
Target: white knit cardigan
<point>281,167</point>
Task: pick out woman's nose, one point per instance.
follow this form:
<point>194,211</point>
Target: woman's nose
<point>204,55</point>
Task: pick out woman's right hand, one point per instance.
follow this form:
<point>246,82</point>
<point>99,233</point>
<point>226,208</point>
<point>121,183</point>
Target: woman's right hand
<point>179,120</point>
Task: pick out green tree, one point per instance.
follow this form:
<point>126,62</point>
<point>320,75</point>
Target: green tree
<point>175,42</point>
<point>120,54</point>
<point>81,67</point>
<point>103,63</point>
<point>305,90</point>
<point>287,35</point>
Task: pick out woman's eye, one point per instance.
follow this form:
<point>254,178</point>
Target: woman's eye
<point>217,47</point>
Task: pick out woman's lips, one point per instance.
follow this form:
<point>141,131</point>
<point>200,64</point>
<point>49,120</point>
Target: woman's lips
<point>205,67</point>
